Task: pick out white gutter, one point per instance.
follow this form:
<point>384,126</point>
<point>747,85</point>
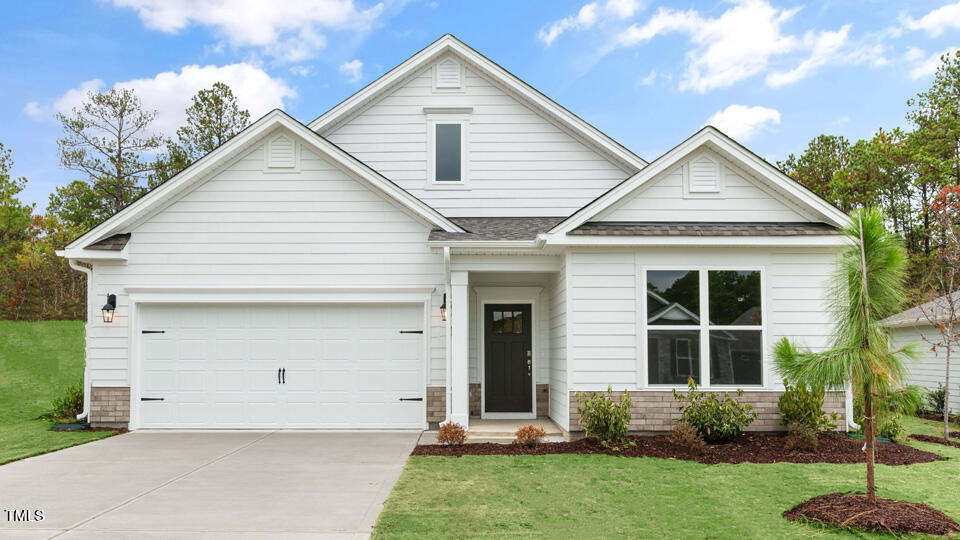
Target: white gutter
<point>446,333</point>
<point>86,369</point>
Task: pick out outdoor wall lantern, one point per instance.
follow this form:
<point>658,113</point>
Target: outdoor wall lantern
<point>443,308</point>
<point>109,308</point>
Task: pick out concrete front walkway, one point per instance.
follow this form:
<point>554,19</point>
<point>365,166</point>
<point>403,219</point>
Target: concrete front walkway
<point>208,484</point>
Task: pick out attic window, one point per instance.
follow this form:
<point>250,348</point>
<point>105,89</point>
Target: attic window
<point>281,153</point>
<point>704,175</point>
<point>448,74</point>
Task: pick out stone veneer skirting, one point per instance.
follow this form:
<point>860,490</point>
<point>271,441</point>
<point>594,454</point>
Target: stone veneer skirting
<point>109,406</point>
<point>656,410</point>
<point>437,401</point>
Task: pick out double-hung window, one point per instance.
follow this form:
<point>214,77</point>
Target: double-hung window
<point>706,325</point>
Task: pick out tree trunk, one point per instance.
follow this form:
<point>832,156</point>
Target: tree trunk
<point>946,398</point>
<point>870,438</point>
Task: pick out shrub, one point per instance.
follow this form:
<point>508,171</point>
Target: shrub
<point>889,409</point>
<point>529,435</point>
<point>452,434</point>
<point>801,436</point>
<point>69,404</point>
<point>891,429</point>
<point>935,400</point>
<point>684,435</point>
<point>714,419</point>
<point>603,418</point>
<point>804,406</point>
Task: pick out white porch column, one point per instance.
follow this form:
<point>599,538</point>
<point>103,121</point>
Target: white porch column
<point>459,316</point>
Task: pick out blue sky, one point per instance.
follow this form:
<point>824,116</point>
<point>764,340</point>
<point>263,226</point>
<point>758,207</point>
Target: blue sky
<point>649,73</point>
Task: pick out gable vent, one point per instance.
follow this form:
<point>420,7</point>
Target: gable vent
<point>282,153</point>
<point>704,175</point>
<point>448,74</point>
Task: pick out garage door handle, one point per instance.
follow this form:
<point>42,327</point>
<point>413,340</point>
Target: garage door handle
<point>411,331</point>
<point>278,376</point>
<point>151,399</point>
<point>284,375</point>
<point>411,399</point>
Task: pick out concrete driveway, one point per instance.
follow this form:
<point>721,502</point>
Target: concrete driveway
<point>207,484</point>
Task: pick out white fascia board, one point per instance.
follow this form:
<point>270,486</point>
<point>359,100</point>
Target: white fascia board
<point>832,240</point>
<point>479,244</point>
<point>271,121</point>
<point>449,43</point>
<point>93,254</point>
<point>728,148</point>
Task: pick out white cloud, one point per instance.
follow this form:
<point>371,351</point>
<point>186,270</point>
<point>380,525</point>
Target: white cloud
<point>742,122</point>
<point>290,31</point>
<point>170,92</point>
<point>936,22</point>
<point>352,70</point>
<point>924,65</point>
<point>588,16</point>
<point>649,79</point>
<point>35,111</point>
<point>744,41</point>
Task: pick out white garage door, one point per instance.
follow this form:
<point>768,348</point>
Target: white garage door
<point>335,366</point>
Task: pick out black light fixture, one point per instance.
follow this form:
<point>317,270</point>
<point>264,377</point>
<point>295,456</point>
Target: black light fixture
<point>443,308</point>
<point>109,308</point>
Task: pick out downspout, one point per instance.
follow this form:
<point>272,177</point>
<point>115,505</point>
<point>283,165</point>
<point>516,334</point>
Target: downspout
<point>851,425</point>
<point>448,395</point>
<point>86,368</point>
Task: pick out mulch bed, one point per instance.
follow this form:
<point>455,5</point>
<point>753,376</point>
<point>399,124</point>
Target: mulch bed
<point>833,448</point>
<point>88,428</point>
<point>852,511</point>
<point>954,419</point>
<point>935,439</point>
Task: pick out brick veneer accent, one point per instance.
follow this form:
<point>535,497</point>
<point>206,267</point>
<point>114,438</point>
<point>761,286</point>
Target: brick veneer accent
<point>437,401</point>
<point>109,406</point>
<point>656,410</point>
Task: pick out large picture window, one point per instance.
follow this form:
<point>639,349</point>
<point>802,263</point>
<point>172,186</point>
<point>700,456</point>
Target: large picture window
<point>704,324</point>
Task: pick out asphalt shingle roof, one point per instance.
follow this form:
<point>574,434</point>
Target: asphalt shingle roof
<point>939,307</point>
<point>111,243</point>
<point>694,228</point>
<point>506,228</point>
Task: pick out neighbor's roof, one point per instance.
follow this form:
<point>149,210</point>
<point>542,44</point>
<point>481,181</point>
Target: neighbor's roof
<point>916,316</point>
<point>691,228</point>
<point>480,229</point>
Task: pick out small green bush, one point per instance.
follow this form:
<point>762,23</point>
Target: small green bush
<point>935,400</point>
<point>800,405</point>
<point>602,417</point>
<point>69,404</point>
<point>714,419</point>
<point>801,436</point>
<point>892,429</point>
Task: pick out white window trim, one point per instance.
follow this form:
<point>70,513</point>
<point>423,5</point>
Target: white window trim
<point>705,194</point>
<point>463,119</point>
<point>766,382</point>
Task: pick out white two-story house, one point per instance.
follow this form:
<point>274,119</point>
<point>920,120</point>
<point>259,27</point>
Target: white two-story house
<point>447,244</point>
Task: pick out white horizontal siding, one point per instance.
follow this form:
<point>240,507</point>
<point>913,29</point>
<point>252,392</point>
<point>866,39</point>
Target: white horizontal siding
<point>519,163</point>
<point>663,199</point>
<point>929,368</point>
<point>314,227</point>
<point>605,343</point>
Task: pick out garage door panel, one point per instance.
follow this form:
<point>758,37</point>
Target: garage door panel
<point>346,366</point>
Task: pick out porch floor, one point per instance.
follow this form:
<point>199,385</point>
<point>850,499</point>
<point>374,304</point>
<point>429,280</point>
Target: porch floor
<point>500,430</point>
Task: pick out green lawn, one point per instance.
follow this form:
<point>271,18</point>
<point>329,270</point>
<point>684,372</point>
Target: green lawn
<point>572,496</point>
<point>38,361</point>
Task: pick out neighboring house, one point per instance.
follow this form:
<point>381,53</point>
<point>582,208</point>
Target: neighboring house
<point>929,368</point>
<point>449,243</point>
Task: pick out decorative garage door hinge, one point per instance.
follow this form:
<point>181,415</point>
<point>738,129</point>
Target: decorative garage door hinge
<point>411,331</point>
<point>153,331</point>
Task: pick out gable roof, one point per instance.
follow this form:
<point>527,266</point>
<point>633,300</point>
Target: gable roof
<point>448,44</point>
<point>200,170</point>
<point>719,142</point>
<point>917,316</point>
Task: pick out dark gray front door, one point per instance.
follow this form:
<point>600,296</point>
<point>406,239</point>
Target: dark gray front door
<point>508,358</point>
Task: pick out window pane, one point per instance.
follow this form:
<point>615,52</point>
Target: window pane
<point>517,322</point>
<point>673,356</point>
<point>497,322</point>
<point>448,153</point>
<point>734,298</point>
<point>736,357</point>
<point>507,322</point>
<point>673,297</point>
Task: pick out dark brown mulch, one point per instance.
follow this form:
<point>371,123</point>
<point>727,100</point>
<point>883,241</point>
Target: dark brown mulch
<point>833,448</point>
<point>935,439</point>
<point>88,428</point>
<point>852,511</point>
